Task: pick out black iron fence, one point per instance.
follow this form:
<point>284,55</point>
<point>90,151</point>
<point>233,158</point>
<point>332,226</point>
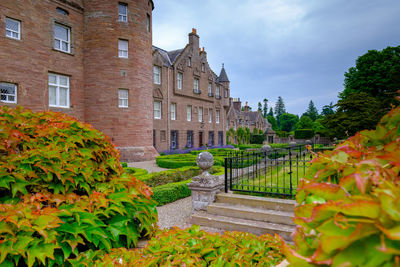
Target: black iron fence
<point>272,172</point>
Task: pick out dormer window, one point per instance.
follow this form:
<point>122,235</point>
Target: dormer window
<point>189,62</point>
<point>203,67</point>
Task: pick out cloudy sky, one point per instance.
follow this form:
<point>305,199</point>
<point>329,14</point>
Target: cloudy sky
<point>297,49</point>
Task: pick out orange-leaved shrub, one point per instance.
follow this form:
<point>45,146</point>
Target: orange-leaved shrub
<point>349,202</point>
<point>193,247</point>
<point>63,191</point>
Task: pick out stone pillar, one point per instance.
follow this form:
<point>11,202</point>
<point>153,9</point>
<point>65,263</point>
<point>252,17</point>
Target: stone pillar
<point>205,186</point>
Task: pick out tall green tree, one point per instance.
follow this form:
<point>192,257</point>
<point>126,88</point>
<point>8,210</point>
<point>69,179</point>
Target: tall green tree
<point>271,112</point>
<point>312,111</point>
<point>279,109</point>
<point>305,122</point>
<point>288,121</point>
<point>259,107</point>
<point>271,119</point>
<point>376,73</point>
<point>354,113</point>
<point>265,107</point>
<point>327,110</point>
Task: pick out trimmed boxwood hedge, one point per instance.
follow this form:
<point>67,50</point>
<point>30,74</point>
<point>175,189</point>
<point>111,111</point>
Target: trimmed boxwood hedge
<point>183,160</point>
<point>137,172</point>
<point>168,191</point>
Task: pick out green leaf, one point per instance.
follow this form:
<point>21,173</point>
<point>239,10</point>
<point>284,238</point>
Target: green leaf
<point>40,251</point>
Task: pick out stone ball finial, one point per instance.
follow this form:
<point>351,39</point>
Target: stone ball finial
<point>266,148</point>
<point>205,161</point>
<point>308,142</point>
<point>292,144</point>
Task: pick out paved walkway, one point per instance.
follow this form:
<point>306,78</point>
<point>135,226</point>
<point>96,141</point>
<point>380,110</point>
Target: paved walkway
<point>150,166</point>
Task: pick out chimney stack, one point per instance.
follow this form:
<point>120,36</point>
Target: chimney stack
<point>194,40</point>
<point>246,107</point>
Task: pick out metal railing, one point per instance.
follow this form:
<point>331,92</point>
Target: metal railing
<point>273,172</point>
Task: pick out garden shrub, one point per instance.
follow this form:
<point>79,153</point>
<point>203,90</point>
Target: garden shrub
<point>172,192</point>
<point>304,133</point>
<point>349,202</point>
<point>179,160</point>
<point>257,138</point>
<point>137,172</point>
<point>64,192</point>
<point>194,247</point>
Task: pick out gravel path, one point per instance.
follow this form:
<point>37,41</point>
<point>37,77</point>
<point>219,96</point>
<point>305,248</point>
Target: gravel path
<point>150,166</point>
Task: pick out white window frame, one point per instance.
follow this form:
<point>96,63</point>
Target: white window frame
<point>209,89</point>
<point>173,111</point>
<point>121,98</point>
<point>196,85</point>
<point>189,62</point>
<point>123,17</point>
<point>18,33</point>
<point>157,110</point>
<point>210,115</point>
<point>59,86</point>
<point>179,79</point>
<point>8,95</point>
<point>122,53</point>
<point>156,74</point>
<point>203,67</point>
<point>68,42</point>
<point>189,113</point>
<point>148,22</point>
<point>200,114</point>
<point>226,92</point>
<point>217,115</point>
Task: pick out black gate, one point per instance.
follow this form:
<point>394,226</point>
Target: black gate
<point>273,172</point>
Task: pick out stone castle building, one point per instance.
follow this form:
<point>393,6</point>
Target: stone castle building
<point>189,100</point>
<point>91,59</point>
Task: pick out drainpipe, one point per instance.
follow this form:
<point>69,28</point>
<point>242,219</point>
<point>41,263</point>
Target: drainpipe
<point>168,115</point>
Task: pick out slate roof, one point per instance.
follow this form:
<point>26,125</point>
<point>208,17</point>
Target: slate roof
<point>174,54</point>
<point>222,76</point>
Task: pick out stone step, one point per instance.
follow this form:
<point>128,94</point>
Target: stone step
<point>251,213</point>
<point>265,203</point>
<point>242,225</point>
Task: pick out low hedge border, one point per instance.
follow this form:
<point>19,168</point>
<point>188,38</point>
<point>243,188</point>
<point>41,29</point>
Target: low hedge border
<point>179,160</point>
<point>170,192</point>
<point>137,172</point>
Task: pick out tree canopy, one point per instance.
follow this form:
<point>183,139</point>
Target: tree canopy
<point>265,108</point>
<point>376,73</point>
<point>288,121</point>
<point>305,122</point>
<point>327,110</point>
<point>312,111</point>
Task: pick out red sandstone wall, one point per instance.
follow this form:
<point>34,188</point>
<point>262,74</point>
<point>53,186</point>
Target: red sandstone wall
<point>132,126</point>
<point>28,61</point>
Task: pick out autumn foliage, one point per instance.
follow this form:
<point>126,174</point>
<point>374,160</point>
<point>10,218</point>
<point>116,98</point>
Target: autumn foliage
<point>349,203</point>
<point>63,191</point>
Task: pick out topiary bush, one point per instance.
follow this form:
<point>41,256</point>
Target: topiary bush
<point>349,202</point>
<point>304,133</point>
<point>63,191</point>
<point>137,172</point>
<point>193,247</point>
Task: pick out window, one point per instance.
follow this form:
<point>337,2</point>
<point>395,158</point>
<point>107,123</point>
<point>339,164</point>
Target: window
<point>123,98</point>
<point>210,93</point>
<point>200,114</point>
<point>148,23</point>
<point>179,77</point>
<point>189,139</point>
<point>189,61</point>
<point>220,138</point>
<point>157,74</point>
<point>189,113</point>
<point>157,110</point>
<point>123,48</point>
<point>62,38</point>
<point>58,91</point>
<point>210,138</point>
<point>13,28</point>
<point>217,115</point>
<point>203,67</point>
<point>217,92</point>
<point>173,111</point>
<point>196,86</point>
<point>210,115</point>
<point>8,92</point>
<point>123,12</point>
<point>62,11</point>
<point>174,139</point>
<point>226,92</point>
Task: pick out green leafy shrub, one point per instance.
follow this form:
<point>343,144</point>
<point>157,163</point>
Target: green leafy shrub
<point>257,138</point>
<point>183,160</point>
<point>63,191</point>
<point>193,247</point>
<point>349,202</point>
<point>172,192</point>
<point>137,172</point>
<point>124,165</point>
<point>304,133</point>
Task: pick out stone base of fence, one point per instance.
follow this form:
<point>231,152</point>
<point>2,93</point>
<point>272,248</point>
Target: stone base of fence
<point>204,189</point>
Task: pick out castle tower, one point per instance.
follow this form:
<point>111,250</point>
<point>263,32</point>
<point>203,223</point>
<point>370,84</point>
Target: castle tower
<point>118,73</point>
